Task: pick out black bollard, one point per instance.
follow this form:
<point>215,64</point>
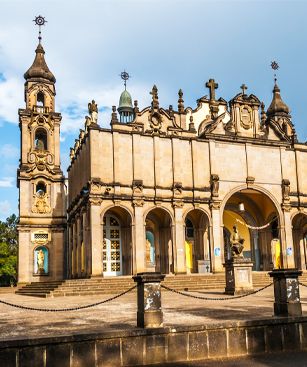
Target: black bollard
<point>149,313</point>
<point>286,292</point>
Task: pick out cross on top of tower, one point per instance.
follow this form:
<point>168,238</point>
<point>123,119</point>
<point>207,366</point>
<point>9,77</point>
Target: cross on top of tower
<point>212,86</point>
<point>40,21</point>
<point>125,76</point>
<point>244,88</point>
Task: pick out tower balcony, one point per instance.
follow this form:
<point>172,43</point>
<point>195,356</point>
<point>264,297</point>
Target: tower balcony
<point>40,109</point>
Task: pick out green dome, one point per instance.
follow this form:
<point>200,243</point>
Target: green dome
<point>125,100</point>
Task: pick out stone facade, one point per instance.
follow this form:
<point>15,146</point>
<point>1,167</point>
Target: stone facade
<point>162,190</point>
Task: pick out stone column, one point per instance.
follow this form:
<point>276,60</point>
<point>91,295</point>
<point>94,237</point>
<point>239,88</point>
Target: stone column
<point>179,248</point>
<point>78,254</point>
<point>286,292</point>
<point>139,240</point>
<point>74,246</point>
<point>149,313</point>
<point>25,254</point>
<point>95,238</point>
<point>287,244</point>
<point>218,245</point>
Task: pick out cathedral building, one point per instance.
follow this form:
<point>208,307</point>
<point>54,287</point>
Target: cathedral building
<point>160,189</point>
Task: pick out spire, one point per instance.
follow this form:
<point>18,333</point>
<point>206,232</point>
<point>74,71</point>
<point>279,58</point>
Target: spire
<point>277,105</point>
<point>39,68</point>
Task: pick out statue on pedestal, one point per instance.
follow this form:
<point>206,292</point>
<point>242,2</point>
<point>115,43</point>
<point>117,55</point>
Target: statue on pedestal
<point>93,111</point>
<point>236,243</point>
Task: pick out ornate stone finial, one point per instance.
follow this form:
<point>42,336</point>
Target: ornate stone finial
<point>212,86</point>
<point>191,125</point>
<point>72,154</point>
<point>155,98</point>
<point>244,88</point>
<point>263,114</point>
<point>136,107</point>
<point>114,118</point>
<point>180,102</point>
<point>93,111</point>
<point>170,110</point>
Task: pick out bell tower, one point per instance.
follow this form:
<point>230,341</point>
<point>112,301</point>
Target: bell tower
<point>41,183</point>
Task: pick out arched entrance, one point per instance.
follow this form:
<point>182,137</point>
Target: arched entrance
<point>197,242</point>
<point>257,221</point>
<point>299,225</point>
<point>159,244</point>
<point>117,242</point>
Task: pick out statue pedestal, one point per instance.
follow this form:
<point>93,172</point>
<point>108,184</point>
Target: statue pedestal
<point>286,292</point>
<point>238,272</point>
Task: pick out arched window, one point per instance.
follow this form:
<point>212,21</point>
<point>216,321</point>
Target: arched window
<point>40,99</point>
<point>41,139</point>
<point>150,248</point>
<point>41,189</point>
<point>189,229</point>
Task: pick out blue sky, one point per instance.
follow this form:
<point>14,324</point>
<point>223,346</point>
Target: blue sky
<point>172,43</point>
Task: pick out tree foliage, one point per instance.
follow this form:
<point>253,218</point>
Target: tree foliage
<point>8,250</point>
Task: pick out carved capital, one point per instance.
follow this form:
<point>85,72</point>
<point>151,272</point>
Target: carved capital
<point>95,201</point>
<point>215,204</point>
<point>286,190</point>
<point>178,204</point>
<point>138,202</point>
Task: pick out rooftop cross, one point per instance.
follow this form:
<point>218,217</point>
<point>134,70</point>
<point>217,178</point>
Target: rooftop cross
<point>212,86</point>
<point>40,21</point>
<point>125,76</point>
<point>244,88</point>
<point>275,67</point>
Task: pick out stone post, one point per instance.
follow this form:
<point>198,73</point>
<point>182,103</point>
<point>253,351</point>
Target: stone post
<point>238,274</point>
<point>149,313</point>
<point>286,292</point>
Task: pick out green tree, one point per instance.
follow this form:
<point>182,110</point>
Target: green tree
<point>8,250</point>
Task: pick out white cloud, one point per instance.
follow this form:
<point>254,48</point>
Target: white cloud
<point>11,97</point>
<point>9,151</point>
<point>5,209</point>
<point>7,182</point>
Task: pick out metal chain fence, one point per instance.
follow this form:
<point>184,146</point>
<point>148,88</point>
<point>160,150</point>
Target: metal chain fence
<point>215,299</point>
<point>71,308</point>
<point>304,285</point>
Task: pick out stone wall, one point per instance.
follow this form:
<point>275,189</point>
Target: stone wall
<point>142,347</point>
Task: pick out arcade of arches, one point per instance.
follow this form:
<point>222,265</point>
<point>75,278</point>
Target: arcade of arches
<point>252,212</point>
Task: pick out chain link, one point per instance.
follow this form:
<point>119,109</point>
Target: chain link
<point>304,285</point>
<point>68,309</point>
<point>215,299</point>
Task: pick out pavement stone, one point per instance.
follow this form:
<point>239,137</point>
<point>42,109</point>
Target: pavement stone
<point>120,314</point>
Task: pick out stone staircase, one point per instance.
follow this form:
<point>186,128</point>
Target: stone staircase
<point>114,285</point>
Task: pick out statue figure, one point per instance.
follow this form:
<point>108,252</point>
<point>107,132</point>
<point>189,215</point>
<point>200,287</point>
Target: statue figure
<point>40,144</point>
<point>40,262</point>
<point>236,243</point>
<point>93,111</point>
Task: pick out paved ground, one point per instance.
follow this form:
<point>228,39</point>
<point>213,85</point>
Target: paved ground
<point>121,313</point>
<point>298,359</point>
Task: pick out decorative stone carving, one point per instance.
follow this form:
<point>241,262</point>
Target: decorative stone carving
<point>155,98</point>
<point>155,119</point>
<point>138,202</point>
<point>72,154</point>
<point>177,189</point>
<point>246,119</point>
<point>93,112</point>
<point>40,159</point>
<point>286,189</point>
<point>95,186</point>
<point>137,187</point>
<point>180,102</point>
<point>215,185</point>
<point>250,180</point>
<point>41,204</point>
